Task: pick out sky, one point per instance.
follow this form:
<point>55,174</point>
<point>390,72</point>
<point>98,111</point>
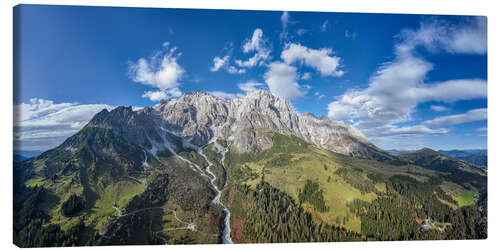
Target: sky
<point>405,81</point>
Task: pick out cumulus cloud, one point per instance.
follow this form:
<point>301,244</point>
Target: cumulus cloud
<point>281,79</point>
<point>155,95</point>
<point>319,59</point>
<point>174,92</point>
<point>281,76</point>
<point>219,63</point>
<point>469,116</point>
<point>258,44</point>
<point>249,86</point>
<point>225,62</point>
<point>439,108</point>
<point>42,124</point>
<point>233,70</point>
<point>160,71</point>
<point>255,43</point>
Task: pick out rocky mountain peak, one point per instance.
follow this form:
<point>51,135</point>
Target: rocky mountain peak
<point>200,117</point>
<point>260,94</point>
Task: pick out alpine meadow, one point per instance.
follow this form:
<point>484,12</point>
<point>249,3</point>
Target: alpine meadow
<point>144,126</point>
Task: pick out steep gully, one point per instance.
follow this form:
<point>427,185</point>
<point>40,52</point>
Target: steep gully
<point>226,233</point>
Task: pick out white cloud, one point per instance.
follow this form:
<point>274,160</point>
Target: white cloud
<point>469,116</point>
<point>439,108</point>
<point>155,95</point>
<point>249,86</point>
<point>306,76</point>
<point>285,20</point>
<point>255,43</point>
<point>258,44</point>
<point>319,95</point>
<point>233,70</point>
<point>219,63</point>
<point>320,60</point>
<point>281,79</point>
<point>226,95</point>
<point>224,62</point>
<point>160,71</point>
<point>397,87</point>
<point>42,124</point>
<point>391,130</point>
<point>394,92</point>
<point>469,37</point>
<point>174,92</point>
<point>324,26</point>
<point>159,95</point>
<point>453,90</point>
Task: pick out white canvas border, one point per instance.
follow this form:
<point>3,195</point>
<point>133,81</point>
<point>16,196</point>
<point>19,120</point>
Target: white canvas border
<point>477,7</point>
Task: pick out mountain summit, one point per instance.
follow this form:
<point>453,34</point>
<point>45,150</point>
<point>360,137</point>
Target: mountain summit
<point>201,117</point>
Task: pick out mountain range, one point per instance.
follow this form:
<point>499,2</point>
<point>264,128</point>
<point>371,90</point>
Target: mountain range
<point>22,155</point>
<point>202,169</point>
<point>478,157</point>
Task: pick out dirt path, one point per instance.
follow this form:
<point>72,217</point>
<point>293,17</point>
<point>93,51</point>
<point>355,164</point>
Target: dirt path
<point>188,225</point>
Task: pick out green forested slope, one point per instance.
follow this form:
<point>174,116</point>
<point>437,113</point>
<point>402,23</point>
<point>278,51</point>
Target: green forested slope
<point>99,189</point>
<point>375,200</point>
<point>71,196</point>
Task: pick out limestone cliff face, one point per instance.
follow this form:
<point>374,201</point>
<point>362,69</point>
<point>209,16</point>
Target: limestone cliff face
<point>200,117</point>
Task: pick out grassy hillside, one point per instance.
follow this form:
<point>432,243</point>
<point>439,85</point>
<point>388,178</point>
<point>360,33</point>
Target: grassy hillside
<point>478,157</point>
<point>467,177</point>
<point>434,160</point>
<point>344,185</point>
<point>80,186</point>
<point>98,189</point>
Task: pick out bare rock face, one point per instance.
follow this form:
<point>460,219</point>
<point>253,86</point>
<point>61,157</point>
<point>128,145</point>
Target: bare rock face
<point>200,117</point>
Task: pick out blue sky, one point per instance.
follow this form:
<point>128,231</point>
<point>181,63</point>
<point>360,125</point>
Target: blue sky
<point>405,81</point>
